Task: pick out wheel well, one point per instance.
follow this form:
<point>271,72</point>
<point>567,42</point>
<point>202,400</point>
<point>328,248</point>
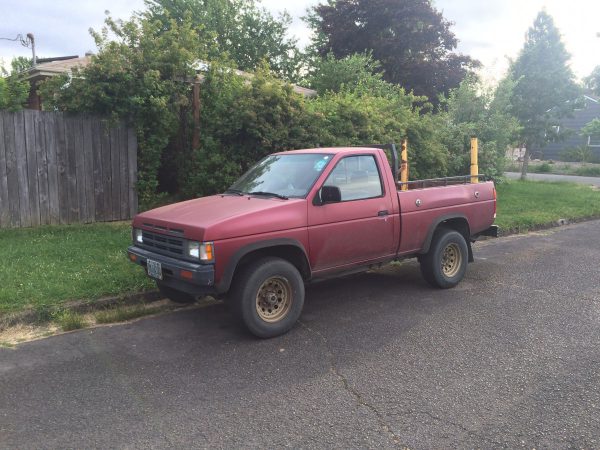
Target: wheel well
<point>461,225</point>
<point>290,253</point>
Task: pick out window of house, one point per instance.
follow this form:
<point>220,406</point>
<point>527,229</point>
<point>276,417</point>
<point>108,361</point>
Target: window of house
<point>357,177</point>
<point>594,141</point>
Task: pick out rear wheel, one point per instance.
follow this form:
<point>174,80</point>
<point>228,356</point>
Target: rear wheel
<point>445,264</point>
<point>267,296</point>
<point>174,295</point>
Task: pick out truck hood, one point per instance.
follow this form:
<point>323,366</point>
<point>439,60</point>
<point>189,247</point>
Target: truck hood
<point>225,216</point>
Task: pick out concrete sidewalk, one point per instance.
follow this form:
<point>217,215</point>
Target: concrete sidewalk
<point>595,181</point>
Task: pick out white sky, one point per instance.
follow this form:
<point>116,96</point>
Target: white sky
<point>488,30</point>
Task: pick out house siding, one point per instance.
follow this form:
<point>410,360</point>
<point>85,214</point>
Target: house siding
<point>572,126</point>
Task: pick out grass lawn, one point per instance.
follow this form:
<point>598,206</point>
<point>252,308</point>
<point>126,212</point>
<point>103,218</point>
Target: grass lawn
<point>526,205</point>
<point>48,265</point>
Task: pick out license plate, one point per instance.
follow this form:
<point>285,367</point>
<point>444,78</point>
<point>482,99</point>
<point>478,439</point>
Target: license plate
<point>154,269</point>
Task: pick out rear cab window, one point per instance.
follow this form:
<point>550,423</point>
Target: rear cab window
<point>357,177</point>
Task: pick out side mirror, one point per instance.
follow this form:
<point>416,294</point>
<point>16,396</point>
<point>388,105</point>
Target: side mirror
<point>330,194</point>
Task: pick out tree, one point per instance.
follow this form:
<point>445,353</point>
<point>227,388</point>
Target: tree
<point>410,38</point>
<point>243,121</point>
<point>544,90</point>
<point>472,109</point>
<point>13,91</point>
<point>141,76</point>
<point>592,82</point>
<point>592,130</point>
<point>332,74</point>
<point>21,64</point>
<point>247,33</point>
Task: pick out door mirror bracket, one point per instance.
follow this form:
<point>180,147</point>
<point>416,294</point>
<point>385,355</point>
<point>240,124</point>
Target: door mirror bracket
<point>328,194</point>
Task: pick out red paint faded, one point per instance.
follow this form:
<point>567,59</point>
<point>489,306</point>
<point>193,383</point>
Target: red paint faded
<point>227,216</point>
<point>335,236</point>
<point>439,201</point>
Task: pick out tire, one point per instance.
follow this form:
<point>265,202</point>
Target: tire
<point>174,295</point>
<point>267,296</point>
<point>445,264</point>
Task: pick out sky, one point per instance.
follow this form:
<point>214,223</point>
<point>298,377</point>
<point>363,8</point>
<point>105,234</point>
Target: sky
<point>488,30</point>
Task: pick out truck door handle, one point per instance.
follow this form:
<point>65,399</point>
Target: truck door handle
<point>383,213</point>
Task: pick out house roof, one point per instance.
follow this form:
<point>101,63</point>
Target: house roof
<point>55,66</point>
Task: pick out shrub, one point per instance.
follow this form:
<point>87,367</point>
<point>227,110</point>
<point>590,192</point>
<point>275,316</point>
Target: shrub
<point>588,171</point>
<point>582,154</point>
<point>542,168</point>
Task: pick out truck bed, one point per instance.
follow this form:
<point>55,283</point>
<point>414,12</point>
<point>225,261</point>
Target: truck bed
<point>421,208</point>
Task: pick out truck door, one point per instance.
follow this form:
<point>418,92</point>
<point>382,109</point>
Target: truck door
<point>357,227</point>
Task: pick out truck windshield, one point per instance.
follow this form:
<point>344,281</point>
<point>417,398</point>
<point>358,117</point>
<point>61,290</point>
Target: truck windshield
<point>283,175</point>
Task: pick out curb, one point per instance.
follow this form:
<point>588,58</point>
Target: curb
<point>32,316</point>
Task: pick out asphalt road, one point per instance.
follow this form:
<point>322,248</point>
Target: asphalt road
<point>510,358</point>
<point>595,181</point>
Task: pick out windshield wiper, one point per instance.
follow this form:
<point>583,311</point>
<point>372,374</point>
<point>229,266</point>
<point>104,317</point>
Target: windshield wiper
<point>234,191</point>
<point>270,194</point>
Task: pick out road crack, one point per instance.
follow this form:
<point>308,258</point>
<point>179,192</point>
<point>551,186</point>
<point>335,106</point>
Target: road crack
<point>358,397</point>
<point>459,426</point>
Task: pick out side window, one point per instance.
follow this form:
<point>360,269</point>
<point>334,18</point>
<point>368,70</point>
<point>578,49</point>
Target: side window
<point>357,177</point>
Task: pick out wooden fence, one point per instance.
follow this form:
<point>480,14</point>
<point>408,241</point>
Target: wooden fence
<point>59,169</point>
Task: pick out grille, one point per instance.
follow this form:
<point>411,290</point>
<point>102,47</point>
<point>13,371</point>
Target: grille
<point>166,245</point>
<point>162,229</point>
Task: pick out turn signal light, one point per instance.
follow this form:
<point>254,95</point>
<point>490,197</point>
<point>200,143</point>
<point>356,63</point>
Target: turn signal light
<point>186,274</point>
<point>208,252</point>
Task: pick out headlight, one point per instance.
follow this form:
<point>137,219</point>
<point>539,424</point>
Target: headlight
<point>202,251</point>
<point>138,237</point>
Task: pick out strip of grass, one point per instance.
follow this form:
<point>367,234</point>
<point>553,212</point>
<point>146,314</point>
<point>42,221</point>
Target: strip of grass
<point>123,314</point>
<point>46,266</point>
<point>70,320</point>
<point>527,205</point>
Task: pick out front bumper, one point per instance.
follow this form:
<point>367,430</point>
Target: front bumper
<point>195,279</point>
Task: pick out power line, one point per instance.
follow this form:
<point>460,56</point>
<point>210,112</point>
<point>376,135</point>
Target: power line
<point>27,41</point>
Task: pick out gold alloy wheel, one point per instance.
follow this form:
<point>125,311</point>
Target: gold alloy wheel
<point>274,299</point>
<point>451,260</point>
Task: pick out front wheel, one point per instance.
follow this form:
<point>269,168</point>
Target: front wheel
<point>445,264</point>
<point>268,297</point>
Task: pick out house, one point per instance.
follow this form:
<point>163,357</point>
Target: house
<point>570,129</point>
<point>49,67</point>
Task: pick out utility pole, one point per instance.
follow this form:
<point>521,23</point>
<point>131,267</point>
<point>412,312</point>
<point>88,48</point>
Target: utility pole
<point>32,40</point>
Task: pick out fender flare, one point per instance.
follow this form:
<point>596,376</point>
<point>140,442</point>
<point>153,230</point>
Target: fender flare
<point>227,277</point>
<point>434,226</point>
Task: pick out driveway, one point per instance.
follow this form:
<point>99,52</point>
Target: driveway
<point>554,177</point>
<point>509,358</point>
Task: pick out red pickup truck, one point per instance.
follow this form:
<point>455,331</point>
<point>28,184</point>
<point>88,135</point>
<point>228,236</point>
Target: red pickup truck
<point>301,215</point>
